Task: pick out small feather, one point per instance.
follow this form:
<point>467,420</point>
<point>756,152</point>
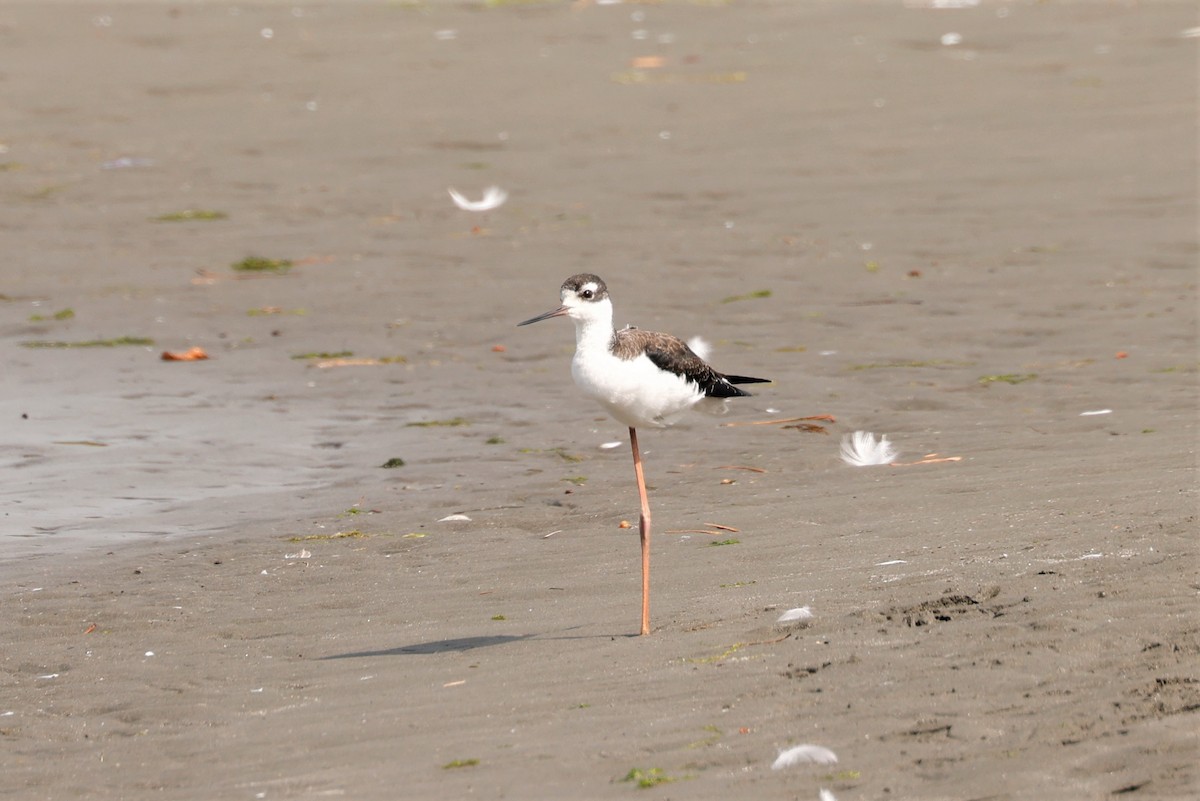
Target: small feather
<point>700,347</point>
<point>804,755</point>
<point>493,197</point>
<point>454,518</point>
<point>792,615</point>
<point>860,449</point>
<point>825,795</point>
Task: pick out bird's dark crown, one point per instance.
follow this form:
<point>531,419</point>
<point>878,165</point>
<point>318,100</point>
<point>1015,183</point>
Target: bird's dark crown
<point>577,282</point>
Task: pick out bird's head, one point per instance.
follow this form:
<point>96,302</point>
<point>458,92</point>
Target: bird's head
<point>584,299</point>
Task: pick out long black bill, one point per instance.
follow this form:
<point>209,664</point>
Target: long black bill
<point>559,312</point>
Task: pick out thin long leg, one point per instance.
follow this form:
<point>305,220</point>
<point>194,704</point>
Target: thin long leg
<point>644,529</point>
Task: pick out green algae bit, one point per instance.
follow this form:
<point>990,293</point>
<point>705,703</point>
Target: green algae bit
<point>187,215</point>
<point>647,778</point>
<point>1007,378</point>
<point>65,314</point>
<point>341,535</point>
<point>453,422</point>
<point>911,363</point>
<point>341,354</point>
<point>257,264</point>
<point>90,343</point>
<point>762,293</point>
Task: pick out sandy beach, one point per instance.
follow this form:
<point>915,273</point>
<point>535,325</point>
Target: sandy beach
<point>973,230</point>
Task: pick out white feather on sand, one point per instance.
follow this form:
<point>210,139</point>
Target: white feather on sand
<point>800,613</point>
<point>804,755</point>
<point>861,449</point>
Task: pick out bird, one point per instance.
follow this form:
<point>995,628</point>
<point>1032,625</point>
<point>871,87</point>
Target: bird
<point>643,379</point>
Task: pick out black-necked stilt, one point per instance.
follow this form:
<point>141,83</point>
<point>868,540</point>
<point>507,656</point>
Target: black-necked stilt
<point>641,377</point>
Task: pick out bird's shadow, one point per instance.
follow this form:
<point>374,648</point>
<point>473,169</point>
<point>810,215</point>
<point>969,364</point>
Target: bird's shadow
<point>461,644</point>
<point>437,646</point>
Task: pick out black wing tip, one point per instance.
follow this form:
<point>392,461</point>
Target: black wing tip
<point>724,389</point>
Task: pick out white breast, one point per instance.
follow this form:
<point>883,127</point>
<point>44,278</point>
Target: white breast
<point>636,392</point>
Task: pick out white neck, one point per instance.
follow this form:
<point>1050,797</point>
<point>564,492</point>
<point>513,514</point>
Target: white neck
<point>593,327</point>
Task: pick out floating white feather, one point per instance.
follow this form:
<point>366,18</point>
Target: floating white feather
<point>493,198</point>
<point>804,755</point>
<point>860,449</point>
<point>826,795</point>
<point>700,347</point>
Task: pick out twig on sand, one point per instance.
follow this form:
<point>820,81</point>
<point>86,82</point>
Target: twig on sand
<point>932,458</point>
<point>713,528</point>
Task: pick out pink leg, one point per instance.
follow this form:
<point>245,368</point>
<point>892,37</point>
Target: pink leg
<point>644,529</point>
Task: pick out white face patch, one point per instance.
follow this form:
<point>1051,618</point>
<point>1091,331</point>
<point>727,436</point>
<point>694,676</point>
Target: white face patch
<point>585,293</point>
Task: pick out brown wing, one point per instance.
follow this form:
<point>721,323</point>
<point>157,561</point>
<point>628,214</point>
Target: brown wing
<point>673,355</point>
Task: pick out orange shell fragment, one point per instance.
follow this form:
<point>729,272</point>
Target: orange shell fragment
<point>190,355</point>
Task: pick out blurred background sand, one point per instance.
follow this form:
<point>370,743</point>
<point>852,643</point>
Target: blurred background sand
<point>963,228</point>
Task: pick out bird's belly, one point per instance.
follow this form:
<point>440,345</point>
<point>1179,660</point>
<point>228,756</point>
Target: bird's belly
<point>636,392</point>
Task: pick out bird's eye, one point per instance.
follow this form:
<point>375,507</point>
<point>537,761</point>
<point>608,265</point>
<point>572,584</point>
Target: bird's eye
<point>586,294</point>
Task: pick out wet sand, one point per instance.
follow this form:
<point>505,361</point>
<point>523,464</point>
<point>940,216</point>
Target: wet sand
<point>211,587</point>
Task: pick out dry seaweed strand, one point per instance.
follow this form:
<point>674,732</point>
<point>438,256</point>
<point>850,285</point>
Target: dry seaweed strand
<point>810,428</point>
